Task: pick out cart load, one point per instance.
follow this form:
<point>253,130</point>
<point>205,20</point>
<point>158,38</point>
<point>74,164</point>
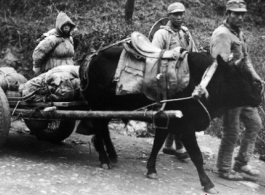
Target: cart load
<point>10,80</point>
<point>60,84</point>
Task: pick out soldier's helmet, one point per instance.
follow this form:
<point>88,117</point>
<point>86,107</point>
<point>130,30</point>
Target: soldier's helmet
<point>236,6</point>
<point>175,7</point>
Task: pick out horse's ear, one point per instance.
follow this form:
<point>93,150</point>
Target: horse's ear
<point>221,61</point>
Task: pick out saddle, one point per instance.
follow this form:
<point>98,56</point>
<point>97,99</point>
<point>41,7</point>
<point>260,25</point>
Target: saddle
<point>144,47</point>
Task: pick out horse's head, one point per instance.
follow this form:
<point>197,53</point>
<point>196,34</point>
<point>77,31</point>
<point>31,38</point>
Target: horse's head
<point>236,85</point>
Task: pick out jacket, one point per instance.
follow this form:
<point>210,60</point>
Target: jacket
<point>55,49</point>
<point>167,38</point>
<point>228,43</point>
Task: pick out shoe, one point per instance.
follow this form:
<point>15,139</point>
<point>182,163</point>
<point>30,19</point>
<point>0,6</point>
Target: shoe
<point>247,169</point>
<point>182,156</point>
<point>169,151</point>
<point>231,175</point>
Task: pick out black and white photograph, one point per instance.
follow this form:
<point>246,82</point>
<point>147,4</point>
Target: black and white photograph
<point>132,97</point>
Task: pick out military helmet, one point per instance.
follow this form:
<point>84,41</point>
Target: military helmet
<point>236,6</point>
<point>175,7</point>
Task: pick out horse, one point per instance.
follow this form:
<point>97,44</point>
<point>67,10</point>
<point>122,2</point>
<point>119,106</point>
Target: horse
<point>231,86</point>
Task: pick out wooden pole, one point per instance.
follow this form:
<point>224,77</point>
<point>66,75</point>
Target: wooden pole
<point>79,114</point>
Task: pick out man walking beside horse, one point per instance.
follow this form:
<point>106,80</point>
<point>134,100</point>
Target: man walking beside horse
<point>172,35</point>
<point>228,40</point>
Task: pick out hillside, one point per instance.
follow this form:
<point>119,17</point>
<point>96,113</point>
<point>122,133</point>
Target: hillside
<point>100,23</point>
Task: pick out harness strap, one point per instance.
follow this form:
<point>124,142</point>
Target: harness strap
<point>160,77</point>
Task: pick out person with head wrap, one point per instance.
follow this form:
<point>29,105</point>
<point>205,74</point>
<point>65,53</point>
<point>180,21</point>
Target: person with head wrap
<point>56,48</point>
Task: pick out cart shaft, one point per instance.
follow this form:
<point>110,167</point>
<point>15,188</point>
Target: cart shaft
<point>80,114</point>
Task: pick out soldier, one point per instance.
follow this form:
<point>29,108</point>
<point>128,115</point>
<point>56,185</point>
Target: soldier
<point>228,40</point>
<point>172,35</point>
<point>56,48</point>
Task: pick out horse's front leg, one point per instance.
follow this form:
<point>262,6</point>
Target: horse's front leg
<point>191,145</point>
<point>101,127</point>
<point>113,157</point>
<point>160,137</point>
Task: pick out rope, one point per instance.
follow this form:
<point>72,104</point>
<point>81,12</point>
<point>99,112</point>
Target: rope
<point>15,108</point>
<point>209,116</point>
<point>113,44</point>
<point>142,108</point>
<point>179,99</point>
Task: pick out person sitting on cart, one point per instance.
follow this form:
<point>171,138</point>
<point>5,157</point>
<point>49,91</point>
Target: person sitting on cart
<point>172,35</point>
<point>56,48</point>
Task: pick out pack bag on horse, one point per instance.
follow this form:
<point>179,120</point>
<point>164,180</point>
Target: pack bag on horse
<point>229,86</point>
<point>154,74</point>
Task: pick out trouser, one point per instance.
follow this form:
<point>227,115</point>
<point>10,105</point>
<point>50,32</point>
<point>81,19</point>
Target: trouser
<point>170,139</point>
<point>250,118</point>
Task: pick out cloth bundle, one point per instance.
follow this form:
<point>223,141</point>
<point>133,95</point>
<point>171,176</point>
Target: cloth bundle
<point>57,85</point>
<point>10,80</point>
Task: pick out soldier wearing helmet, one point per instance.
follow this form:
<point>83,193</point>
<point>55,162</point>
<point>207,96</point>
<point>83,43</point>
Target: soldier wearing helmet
<point>228,40</point>
<point>172,35</point>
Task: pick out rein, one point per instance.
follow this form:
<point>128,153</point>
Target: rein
<point>180,99</point>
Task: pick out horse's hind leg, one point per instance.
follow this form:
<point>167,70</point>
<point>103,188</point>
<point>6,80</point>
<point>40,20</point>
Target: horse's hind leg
<point>101,127</point>
<point>160,137</point>
<point>191,145</point>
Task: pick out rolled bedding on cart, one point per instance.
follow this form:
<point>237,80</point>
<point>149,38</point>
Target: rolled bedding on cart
<point>59,84</point>
<point>10,79</point>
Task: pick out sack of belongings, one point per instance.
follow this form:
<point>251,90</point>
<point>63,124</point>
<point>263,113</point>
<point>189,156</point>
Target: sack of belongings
<point>10,80</point>
<point>59,84</point>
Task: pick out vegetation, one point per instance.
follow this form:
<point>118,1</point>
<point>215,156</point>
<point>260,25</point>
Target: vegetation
<point>100,23</point>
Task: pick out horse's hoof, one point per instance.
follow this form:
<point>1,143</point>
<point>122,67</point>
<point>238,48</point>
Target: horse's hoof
<point>105,166</point>
<point>152,176</point>
<point>211,190</point>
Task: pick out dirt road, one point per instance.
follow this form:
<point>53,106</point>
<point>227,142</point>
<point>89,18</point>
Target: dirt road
<point>31,167</point>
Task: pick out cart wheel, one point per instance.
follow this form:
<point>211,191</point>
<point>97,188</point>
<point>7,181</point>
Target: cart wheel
<point>4,117</point>
<point>53,131</point>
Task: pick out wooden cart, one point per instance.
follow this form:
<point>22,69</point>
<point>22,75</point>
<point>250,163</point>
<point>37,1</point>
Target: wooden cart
<point>55,121</point>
